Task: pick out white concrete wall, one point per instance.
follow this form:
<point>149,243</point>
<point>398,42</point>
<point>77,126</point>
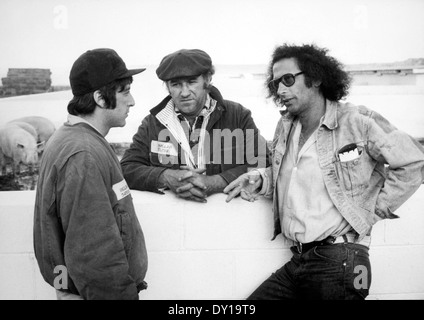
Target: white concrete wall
<point>216,250</point>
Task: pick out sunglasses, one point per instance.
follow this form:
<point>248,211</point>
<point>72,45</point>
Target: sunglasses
<point>287,79</point>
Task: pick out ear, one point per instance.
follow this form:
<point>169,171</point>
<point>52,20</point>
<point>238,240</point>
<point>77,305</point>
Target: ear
<point>99,99</point>
<point>208,79</point>
<point>40,146</point>
<point>316,83</point>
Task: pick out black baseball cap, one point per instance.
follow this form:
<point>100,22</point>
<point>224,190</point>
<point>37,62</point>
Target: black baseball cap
<point>97,68</point>
<point>184,63</point>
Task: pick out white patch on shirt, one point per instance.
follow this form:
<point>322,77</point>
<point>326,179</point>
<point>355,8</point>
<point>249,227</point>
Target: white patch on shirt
<point>121,189</point>
<point>165,148</point>
<point>349,155</point>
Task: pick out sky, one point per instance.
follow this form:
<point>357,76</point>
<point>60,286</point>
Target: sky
<point>52,34</point>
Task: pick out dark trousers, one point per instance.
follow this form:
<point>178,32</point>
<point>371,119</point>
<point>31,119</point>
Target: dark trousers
<point>333,272</point>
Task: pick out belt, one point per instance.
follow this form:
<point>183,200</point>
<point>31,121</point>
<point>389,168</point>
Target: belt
<point>346,238</point>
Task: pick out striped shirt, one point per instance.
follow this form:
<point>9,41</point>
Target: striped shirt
<point>191,138</point>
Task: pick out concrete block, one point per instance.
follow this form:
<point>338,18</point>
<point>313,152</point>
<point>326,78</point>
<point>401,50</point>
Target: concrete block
<point>17,277</point>
<point>235,225</point>
<point>161,219</point>
<point>16,228</point>
<point>397,270</point>
<point>408,229</point>
<point>378,233</point>
<point>216,250</point>
<point>190,275</point>
<point>43,291</point>
<point>13,198</point>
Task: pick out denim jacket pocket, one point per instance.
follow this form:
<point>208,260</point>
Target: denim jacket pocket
<point>351,174</point>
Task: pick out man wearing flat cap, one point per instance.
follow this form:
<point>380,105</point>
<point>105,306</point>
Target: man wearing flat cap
<point>88,241</point>
<point>193,142</point>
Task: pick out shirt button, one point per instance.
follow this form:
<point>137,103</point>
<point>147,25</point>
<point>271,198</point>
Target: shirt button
<point>277,162</point>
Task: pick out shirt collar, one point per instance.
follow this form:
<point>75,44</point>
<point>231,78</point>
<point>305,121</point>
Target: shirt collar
<point>73,120</point>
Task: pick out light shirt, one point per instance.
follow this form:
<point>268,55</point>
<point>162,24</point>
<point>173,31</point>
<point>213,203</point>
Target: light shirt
<point>72,120</point>
<point>306,211</point>
<point>193,153</point>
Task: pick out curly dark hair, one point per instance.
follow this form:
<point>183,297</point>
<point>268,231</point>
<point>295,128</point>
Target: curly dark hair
<point>316,66</point>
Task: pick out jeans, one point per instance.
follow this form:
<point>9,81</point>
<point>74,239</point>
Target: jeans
<point>332,272</point>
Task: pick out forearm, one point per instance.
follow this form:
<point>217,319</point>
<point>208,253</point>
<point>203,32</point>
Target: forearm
<point>142,177</point>
<point>399,186</point>
<point>137,167</point>
<point>232,174</point>
<point>405,159</point>
<point>215,184</point>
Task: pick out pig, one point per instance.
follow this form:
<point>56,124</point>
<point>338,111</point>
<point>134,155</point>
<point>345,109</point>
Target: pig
<point>44,127</point>
<point>27,127</point>
<point>19,146</point>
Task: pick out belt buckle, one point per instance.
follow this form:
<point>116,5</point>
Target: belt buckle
<point>330,240</point>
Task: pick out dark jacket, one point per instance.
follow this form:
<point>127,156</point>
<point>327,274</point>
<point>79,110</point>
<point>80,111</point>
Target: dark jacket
<point>229,156</point>
<point>85,220</point>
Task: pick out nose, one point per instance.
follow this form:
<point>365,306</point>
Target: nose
<point>282,89</point>
<point>185,91</point>
<point>131,101</point>
<point>31,157</point>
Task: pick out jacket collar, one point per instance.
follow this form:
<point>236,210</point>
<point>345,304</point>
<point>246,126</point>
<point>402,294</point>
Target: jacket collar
<point>330,117</point>
<point>214,93</point>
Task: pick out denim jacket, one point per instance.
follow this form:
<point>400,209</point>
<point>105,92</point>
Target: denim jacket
<point>389,169</point>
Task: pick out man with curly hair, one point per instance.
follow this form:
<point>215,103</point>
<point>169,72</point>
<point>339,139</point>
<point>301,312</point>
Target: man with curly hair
<point>336,170</point>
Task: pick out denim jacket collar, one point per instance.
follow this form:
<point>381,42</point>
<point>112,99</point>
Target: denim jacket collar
<point>330,117</point>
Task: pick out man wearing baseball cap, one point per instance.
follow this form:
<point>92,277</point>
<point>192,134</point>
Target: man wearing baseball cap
<point>88,241</point>
<point>193,142</point>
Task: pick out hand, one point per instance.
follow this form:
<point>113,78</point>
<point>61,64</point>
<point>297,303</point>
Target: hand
<point>197,180</point>
<point>246,185</point>
<point>183,189</point>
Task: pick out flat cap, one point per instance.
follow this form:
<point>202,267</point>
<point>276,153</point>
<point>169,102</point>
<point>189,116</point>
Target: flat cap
<point>184,63</point>
<point>97,68</point>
